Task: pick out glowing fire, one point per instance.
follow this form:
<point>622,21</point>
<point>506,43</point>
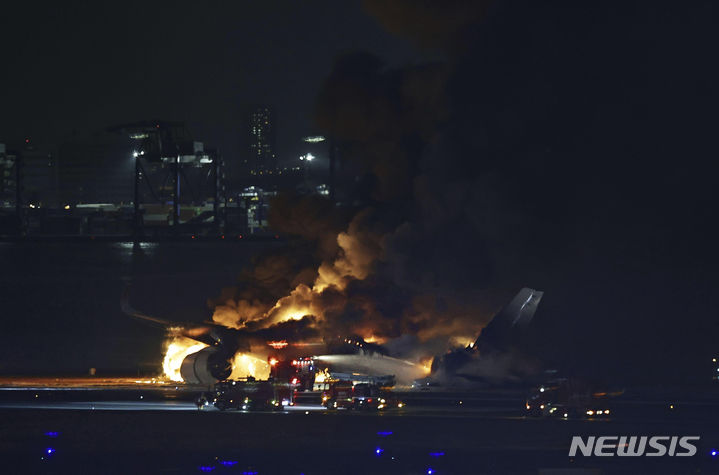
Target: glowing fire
<point>461,342</point>
<point>355,260</point>
<point>177,350</point>
<point>374,339</point>
<point>426,364</point>
<point>278,345</point>
<point>244,365</point>
<point>322,376</point>
<point>179,347</point>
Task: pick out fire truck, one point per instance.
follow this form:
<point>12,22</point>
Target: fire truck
<point>359,396</point>
<point>568,398</point>
<point>247,394</point>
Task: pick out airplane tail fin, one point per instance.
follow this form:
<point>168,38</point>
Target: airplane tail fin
<point>511,320</point>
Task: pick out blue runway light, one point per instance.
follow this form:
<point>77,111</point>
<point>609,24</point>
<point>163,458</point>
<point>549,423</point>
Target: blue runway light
<point>430,471</point>
<point>52,434</point>
<point>436,454</point>
<point>205,468</point>
<point>378,451</point>
<point>50,451</point>
<point>384,433</point>
<point>714,453</point>
<point>228,463</point>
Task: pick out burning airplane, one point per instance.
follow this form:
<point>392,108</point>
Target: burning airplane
<point>204,353</point>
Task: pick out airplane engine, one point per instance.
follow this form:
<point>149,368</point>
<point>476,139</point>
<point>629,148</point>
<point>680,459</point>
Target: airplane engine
<point>207,366</point>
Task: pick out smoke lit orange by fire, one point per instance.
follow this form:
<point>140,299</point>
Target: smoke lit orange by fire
<point>426,365</point>
<point>357,254</point>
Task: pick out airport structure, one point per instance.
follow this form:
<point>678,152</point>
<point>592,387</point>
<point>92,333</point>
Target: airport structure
<point>177,180</point>
<point>152,179</point>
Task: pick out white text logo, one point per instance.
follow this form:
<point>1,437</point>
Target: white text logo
<point>634,446</point>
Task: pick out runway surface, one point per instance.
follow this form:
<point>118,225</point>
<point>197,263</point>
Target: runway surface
<point>88,383</point>
<point>118,425</point>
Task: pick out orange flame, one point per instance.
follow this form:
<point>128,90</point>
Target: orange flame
<point>177,350</point>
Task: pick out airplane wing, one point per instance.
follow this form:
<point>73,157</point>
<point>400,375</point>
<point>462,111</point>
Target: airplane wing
<point>128,310</point>
<point>209,333</point>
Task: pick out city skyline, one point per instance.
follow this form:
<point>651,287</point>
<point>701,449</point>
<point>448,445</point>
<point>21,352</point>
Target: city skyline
<point>216,53</point>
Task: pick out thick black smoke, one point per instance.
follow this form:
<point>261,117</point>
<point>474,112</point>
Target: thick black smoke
<point>558,148</point>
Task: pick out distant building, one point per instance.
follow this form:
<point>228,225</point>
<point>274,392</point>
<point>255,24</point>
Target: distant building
<point>8,183</point>
<point>36,178</point>
<point>261,159</point>
<point>39,171</point>
<point>256,203</point>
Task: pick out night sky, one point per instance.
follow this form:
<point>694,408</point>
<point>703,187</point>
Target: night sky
<point>565,146</point>
<point>83,66</point>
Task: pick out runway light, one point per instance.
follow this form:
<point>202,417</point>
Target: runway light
<point>52,434</point>
<point>714,452</point>
<point>378,451</point>
<point>228,463</point>
<point>50,451</point>
<point>436,454</point>
<point>206,468</point>
<point>430,471</point>
<point>384,433</point>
